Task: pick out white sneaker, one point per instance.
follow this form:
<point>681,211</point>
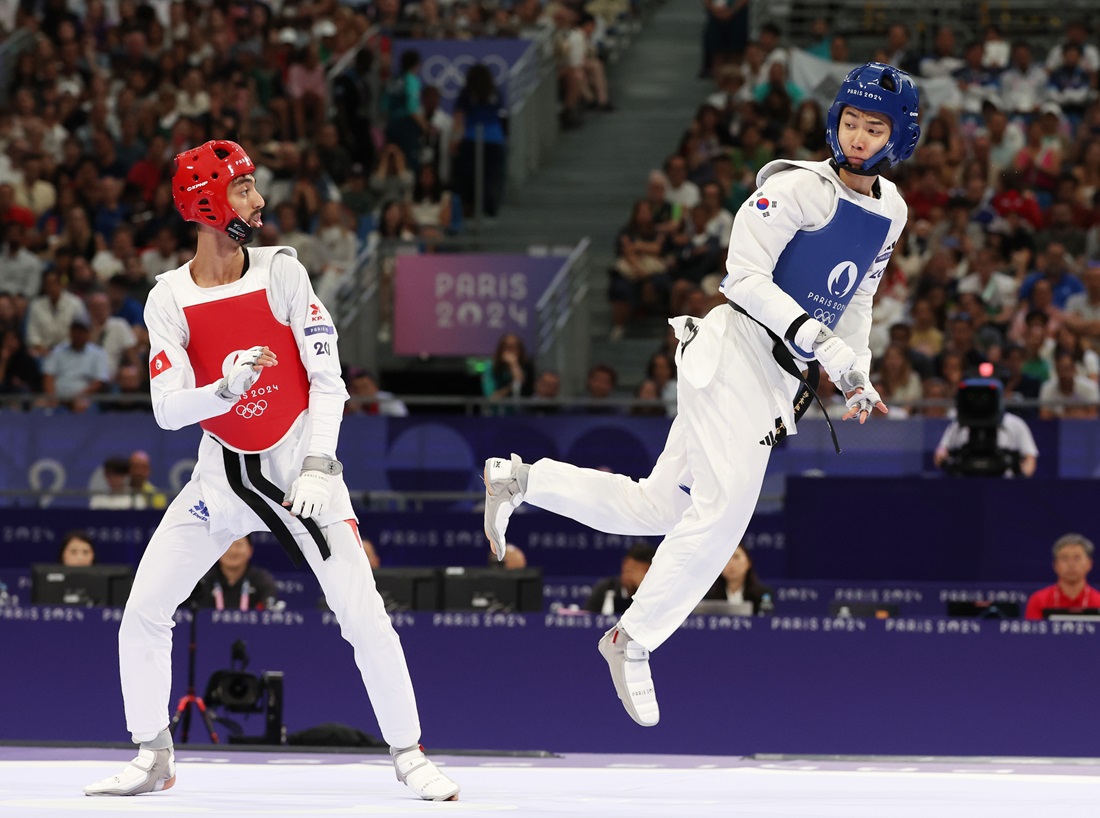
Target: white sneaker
<point>629,664</point>
<point>415,771</point>
<point>502,496</point>
<point>151,771</point>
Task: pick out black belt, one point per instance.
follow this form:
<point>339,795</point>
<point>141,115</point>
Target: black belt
<point>785,359</point>
<point>269,516</point>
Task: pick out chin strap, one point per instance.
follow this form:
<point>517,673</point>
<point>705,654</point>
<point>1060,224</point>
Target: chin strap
<point>239,230</point>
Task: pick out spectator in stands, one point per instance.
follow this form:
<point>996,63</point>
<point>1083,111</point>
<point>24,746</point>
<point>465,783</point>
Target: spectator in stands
<point>613,595</point>
<point>479,115</point>
<point>1077,35</point>
<point>130,392</point>
<point>1054,268</point>
<point>127,297</point>
<point>114,335</point>
<point>50,316</point>
<point>405,122</point>
<point>547,393</point>
<point>640,274</point>
<point>682,193</point>
<point>19,372</point>
<point>337,249</point>
<point>1072,562</point>
<point>431,207</point>
<point>368,399</point>
<point>511,373</point>
<point>392,181</point>
<point>1082,313</point>
<point>648,399</point>
<point>77,550</point>
<point>294,236</point>
<point>896,381</point>
<point>1068,394</point>
<point>599,386</point>
<point>944,60</point>
<point>661,369</point>
<point>937,396</point>
<point>140,468</point>
<point>306,87</point>
<point>234,584</point>
<point>20,269</point>
<point>118,494</point>
<point>725,34</point>
<point>997,290</point>
<point>1066,340</point>
<point>353,99</point>
<point>738,582</point>
<point>163,255</point>
<point>73,371</point>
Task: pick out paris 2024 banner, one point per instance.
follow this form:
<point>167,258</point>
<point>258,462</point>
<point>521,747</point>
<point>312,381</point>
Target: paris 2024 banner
<point>463,304</point>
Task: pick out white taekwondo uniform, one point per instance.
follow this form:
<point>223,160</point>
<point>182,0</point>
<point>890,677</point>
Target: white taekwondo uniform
<point>804,242</point>
<point>293,409</point>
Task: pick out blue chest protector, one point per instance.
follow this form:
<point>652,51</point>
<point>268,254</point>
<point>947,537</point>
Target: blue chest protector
<point>822,269</point>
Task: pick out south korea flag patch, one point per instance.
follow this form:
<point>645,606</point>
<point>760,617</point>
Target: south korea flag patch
<point>764,206</point>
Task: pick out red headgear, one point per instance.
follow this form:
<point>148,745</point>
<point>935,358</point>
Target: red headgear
<point>201,183</point>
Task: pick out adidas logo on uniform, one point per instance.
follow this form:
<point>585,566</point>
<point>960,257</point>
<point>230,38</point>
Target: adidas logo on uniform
<point>201,511</point>
<point>769,439</point>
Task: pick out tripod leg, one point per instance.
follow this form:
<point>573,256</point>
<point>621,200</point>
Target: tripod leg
<point>187,719</point>
<point>206,717</point>
<point>180,707</point>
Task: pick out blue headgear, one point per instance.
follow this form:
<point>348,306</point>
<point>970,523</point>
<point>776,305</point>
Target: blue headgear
<point>882,89</point>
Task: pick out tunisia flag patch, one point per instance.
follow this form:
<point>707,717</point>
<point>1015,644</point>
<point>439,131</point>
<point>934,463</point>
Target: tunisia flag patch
<point>159,363</point>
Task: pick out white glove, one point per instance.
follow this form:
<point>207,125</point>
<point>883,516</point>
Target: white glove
<point>861,402</point>
<point>309,494</point>
<point>241,375</point>
<point>830,350</point>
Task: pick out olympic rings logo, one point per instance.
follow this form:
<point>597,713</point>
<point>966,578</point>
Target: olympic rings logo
<point>449,75</point>
<point>825,317</point>
<point>251,410</point>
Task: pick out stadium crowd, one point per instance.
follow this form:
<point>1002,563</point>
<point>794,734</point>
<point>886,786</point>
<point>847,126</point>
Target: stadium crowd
<point>349,153</point>
<point>1000,261</point>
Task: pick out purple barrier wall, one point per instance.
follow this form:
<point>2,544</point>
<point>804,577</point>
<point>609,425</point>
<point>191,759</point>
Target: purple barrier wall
<point>962,529</point>
<point>446,453</point>
<point>444,63</point>
<point>727,686</point>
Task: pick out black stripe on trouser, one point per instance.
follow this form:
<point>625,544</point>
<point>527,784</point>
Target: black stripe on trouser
<point>269,516</point>
<point>785,359</point>
<point>277,495</point>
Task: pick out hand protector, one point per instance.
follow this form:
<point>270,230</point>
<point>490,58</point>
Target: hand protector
<point>830,350</point>
<point>865,401</point>
<point>241,376</point>
<point>309,494</point>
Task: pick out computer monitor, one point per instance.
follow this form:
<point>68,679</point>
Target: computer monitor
<point>410,589</point>
<point>1071,614</point>
<point>863,610</point>
<point>984,609</point>
<point>56,584</point>
<point>492,589</point>
<point>721,607</point>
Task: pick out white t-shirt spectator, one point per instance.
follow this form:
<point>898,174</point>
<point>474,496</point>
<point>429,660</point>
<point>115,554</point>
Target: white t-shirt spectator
<point>21,273</point>
<point>73,371</point>
<point>117,337</point>
<point>997,293</point>
<point>48,325</point>
<point>687,196</point>
<point>1051,397</point>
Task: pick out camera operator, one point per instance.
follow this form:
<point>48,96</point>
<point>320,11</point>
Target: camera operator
<point>970,447</point>
<point>235,584</point>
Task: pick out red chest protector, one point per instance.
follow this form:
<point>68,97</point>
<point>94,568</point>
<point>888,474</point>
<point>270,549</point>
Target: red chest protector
<point>264,414</point>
